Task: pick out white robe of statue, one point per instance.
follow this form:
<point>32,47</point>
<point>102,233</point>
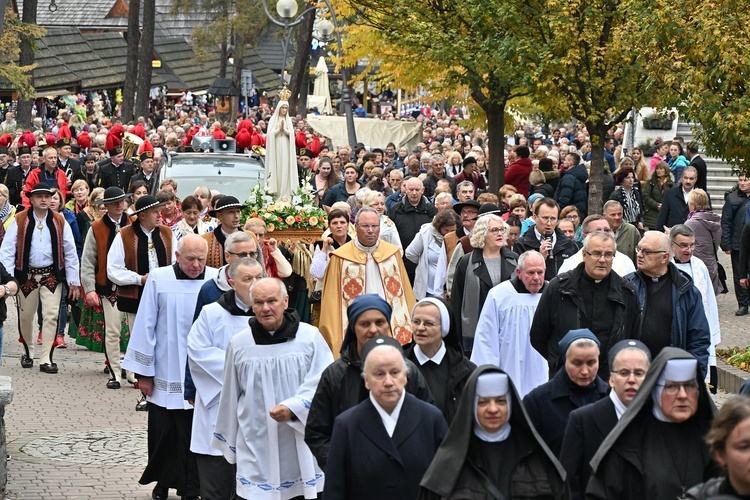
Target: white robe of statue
<point>281,155</point>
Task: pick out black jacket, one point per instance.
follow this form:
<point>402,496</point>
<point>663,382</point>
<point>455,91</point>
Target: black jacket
<point>409,219</point>
<point>700,165</point>
<point>716,487</point>
<point>342,387</point>
<point>573,189</point>
<point>430,183</point>
<point>733,219</point>
<point>459,369</point>
<point>587,429</point>
<point>140,176</point>
<point>561,309</point>
<point>365,463</point>
<point>564,248</point>
<point>674,210</point>
<point>14,180</point>
<point>111,175</point>
<point>549,405</point>
<point>5,278</point>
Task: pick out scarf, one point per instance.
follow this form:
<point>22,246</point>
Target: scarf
<point>5,211</point>
<point>229,302</point>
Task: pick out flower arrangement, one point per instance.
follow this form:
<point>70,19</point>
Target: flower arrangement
<point>298,213</point>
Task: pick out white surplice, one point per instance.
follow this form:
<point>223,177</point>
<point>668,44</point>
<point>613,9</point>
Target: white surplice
<point>698,271</point>
<point>273,461</point>
<point>502,337</point>
<point>206,348</point>
<point>157,346</point>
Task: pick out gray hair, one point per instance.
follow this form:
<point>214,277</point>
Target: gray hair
<point>480,229</point>
<point>529,253</point>
<point>680,230</point>
<point>243,261</point>
<point>365,210</point>
<point>282,287</point>
<point>440,196</point>
<point>465,184</point>
<point>582,343</point>
<point>611,203</point>
<point>666,246</point>
<point>235,238</point>
<point>397,173</point>
<point>599,234</point>
<point>690,168</point>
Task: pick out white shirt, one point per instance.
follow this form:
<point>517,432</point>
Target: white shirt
<point>121,275</point>
<point>40,253</point>
<point>422,358</point>
<point>389,421</point>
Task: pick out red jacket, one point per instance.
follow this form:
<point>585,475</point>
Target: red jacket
<point>517,175</point>
<point>33,179</point>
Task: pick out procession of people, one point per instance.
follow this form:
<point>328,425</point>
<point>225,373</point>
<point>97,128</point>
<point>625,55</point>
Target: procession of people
<point>449,342</point>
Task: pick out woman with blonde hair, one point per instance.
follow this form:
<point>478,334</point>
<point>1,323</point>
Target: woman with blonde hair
<point>80,190</point>
<point>7,210</point>
<point>641,167</point>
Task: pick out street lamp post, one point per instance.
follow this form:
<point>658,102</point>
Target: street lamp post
<point>287,10</point>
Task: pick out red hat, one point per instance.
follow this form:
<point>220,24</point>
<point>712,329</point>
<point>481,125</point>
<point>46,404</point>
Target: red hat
<point>300,140</point>
<point>50,139</point>
<point>64,131</point>
<point>244,139</point>
<point>117,131</point>
<point>258,139</point>
<point>84,140</point>
<point>6,140</point>
<point>219,134</point>
<point>146,151</point>
<point>245,124</point>
<point>27,139</point>
<point>113,145</point>
<point>140,131</point>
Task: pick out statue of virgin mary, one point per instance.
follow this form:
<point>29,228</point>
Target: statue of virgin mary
<point>281,155</point>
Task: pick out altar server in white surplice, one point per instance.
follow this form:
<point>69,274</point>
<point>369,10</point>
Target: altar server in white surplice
<point>157,354</point>
<point>270,375</point>
<point>207,341</point>
<point>502,336</point>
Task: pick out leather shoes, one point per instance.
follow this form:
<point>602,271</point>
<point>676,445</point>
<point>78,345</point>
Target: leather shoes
<point>26,361</point>
<point>160,493</point>
<point>113,384</point>
<point>48,368</point>
<point>742,311</point>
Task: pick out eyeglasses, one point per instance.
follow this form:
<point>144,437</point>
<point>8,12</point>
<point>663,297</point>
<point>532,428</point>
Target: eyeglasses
<point>368,227</point>
<point>496,230</point>
<point>599,255</point>
<point>685,246</point>
<point>673,388</point>
<point>547,220</point>
<point>646,251</point>
<point>572,217</point>
<point>252,255</point>
<point>427,324</point>
<point>627,373</point>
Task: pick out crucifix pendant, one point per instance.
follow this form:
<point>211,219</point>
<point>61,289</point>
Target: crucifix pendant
<point>684,493</point>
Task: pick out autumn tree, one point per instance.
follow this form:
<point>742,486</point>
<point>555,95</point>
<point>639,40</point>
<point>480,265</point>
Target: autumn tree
<point>708,68</point>
<point>591,62</point>
<point>445,47</point>
<point>17,76</point>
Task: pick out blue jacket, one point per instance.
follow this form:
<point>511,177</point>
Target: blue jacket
<point>73,222</point>
<point>689,325</point>
<point>677,165</point>
<point>572,189</point>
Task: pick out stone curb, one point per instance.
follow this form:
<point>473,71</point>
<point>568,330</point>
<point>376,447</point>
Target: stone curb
<point>730,378</point>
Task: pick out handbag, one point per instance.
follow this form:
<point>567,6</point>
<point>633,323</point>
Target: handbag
<point>721,272</point>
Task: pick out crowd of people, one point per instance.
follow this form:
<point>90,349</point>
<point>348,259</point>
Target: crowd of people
<point>448,342</point>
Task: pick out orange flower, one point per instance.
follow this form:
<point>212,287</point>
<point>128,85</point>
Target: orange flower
<point>297,219</point>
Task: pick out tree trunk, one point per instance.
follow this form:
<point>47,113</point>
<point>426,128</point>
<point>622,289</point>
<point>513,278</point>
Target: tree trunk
<point>145,59</point>
<point>239,64</point>
<point>496,143</point>
<point>303,93</point>
<point>301,61</point>
<point>26,57</point>
<point>223,61</point>
<point>597,133</point>
<point>131,63</point>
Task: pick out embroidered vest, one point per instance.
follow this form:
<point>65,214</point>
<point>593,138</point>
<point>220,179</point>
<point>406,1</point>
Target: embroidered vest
<point>104,233</point>
<point>26,228</point>
<point>215,240</point>
<point>128,297</point>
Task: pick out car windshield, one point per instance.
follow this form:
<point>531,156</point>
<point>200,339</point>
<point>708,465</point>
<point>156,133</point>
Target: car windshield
<point>234,176</point>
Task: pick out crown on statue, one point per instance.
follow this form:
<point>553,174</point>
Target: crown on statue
<point>285,93</point>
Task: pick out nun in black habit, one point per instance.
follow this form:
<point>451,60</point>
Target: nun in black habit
<point>436,351</point>
<point>657,450</point>
<point>491,450</point>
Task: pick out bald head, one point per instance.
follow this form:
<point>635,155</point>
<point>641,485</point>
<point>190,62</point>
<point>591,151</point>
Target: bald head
<point>191,255</point>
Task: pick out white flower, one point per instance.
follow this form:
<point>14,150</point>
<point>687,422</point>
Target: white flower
<point>296,200</point>
<point>267,200</point>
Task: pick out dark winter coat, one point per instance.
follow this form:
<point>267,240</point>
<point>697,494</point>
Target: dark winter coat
<point>674,210</point>
<point>409,219</point>
<point>342,387</point>
<point>733,219</point>
<point>367,464</point>
<point>653,194</point>
<point>561,309</point>
<point>689,324</point>
<point>517,174</point>
<point>572,189</point>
